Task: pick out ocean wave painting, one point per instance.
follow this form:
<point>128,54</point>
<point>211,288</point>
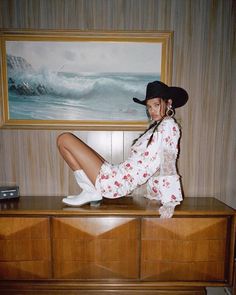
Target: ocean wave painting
<point>79,80</point>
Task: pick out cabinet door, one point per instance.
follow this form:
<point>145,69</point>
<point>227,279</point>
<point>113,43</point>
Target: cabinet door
<point>184,249</point>
<point>24,248</point>
<point>95,248</point>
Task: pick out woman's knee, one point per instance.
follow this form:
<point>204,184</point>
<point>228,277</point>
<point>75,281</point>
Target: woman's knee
<point>63,138</point>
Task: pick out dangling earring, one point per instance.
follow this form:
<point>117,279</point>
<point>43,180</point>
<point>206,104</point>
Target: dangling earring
<point>170,112</point>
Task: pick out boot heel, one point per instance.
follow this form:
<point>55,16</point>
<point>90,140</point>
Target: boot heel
<point>95,203</point>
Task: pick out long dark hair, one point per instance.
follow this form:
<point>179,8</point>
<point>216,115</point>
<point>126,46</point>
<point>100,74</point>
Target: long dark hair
<point>154,124</point>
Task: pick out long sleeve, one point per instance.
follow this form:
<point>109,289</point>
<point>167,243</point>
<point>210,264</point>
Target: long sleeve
<point>165,188</point>
<point>164,184</point>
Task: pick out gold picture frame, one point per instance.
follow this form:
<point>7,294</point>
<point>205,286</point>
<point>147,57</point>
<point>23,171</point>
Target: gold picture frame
<point>78,79</point>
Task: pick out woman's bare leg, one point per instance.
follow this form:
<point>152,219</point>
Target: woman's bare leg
<point>78,155</point>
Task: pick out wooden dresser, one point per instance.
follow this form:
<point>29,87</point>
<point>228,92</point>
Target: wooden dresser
<point>121,247</point>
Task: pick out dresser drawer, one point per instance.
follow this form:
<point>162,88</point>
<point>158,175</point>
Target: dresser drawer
<point>189,249</point>
<point>25,251</point>
<point>96,247</point>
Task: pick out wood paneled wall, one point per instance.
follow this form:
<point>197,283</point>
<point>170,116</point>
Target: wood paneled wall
<point>203,57</point>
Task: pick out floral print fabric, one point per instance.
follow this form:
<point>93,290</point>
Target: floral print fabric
<point>154,164</point>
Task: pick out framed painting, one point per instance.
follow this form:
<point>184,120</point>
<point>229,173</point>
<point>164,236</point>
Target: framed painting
<point>68,79</point>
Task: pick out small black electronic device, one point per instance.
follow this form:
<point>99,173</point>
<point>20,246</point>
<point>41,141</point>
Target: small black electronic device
<point>9,192</point>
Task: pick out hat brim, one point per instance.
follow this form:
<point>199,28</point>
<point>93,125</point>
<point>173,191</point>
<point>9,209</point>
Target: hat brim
<point>178,95</point>
<point>143,102</point>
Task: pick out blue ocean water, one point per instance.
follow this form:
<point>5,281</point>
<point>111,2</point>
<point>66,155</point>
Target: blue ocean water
<point>83,96</point>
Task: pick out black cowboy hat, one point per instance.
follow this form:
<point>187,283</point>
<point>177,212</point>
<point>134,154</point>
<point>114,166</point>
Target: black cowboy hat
<point>159,89</point>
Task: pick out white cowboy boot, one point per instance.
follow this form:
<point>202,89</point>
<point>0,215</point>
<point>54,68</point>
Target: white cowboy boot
<point>88,195</point>
<point>79,176</point>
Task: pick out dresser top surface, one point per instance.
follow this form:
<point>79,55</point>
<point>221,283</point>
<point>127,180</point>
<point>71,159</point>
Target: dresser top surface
<point>136,205</point>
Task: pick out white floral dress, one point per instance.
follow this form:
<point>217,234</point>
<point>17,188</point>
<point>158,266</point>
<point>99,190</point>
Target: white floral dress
<point>154,164</point>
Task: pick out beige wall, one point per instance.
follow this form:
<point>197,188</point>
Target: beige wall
<point>203,58</point>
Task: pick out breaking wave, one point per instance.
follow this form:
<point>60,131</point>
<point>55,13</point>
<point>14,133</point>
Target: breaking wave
<point>84,96</point>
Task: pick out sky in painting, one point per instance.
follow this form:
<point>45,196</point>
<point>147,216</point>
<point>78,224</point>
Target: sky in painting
<point>89,56</point>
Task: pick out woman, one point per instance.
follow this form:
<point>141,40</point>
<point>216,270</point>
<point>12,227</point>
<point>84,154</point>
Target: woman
<point>152,159</point>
